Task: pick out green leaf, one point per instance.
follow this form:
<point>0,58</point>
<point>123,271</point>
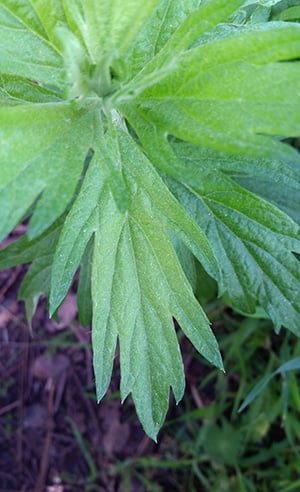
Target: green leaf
<point>205,18</point>
<point>282,6</point>
<point>130,138</point>
<point>150,357</point>
<point>23,12</point>
<point>159,58</point>
<point>110,160</point>
<point>139,295</point>
<point>158,28</point>
<point>24,48</point>
<point>292,13</point>
<point>135,295</point>
<point>57,141</point>
<point>79,226</point>
<point>84,294</point>
<point>113,25</point>
<point>163,205</point>
<point>239,167</point>
<point>237,115</point>
<point>276,181</point>
<point>49,14</point>
<point>186,259</point>
<point>253,242</point>
<point>108,226</point>
<point>282,196</point>
<point>16,90</point>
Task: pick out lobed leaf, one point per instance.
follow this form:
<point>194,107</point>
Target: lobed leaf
<point>134,295</point>
<point>253,242</point>
<point>130,138</point>
<point>192,105</point>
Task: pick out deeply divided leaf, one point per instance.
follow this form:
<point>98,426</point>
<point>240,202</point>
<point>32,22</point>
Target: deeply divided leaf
<point>139,140</point>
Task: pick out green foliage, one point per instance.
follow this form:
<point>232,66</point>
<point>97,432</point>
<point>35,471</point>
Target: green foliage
<point>132,141</point>
<point>291,365</point>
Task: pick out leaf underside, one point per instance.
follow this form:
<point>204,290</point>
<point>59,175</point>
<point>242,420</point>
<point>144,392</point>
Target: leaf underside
<point>132,136</point>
